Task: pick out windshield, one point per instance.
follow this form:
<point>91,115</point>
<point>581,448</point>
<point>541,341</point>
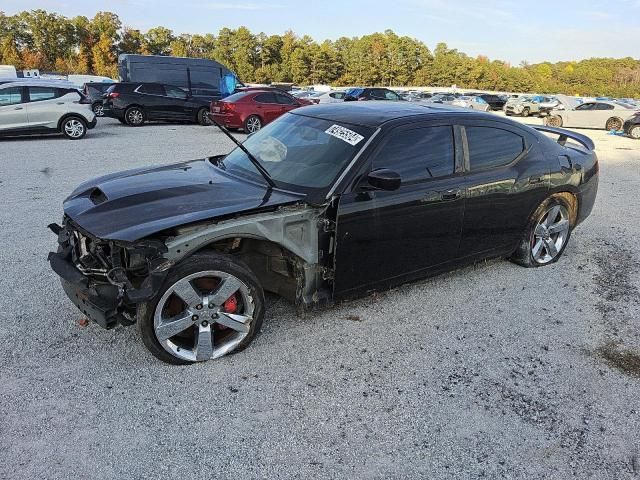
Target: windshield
<point>299,152</point>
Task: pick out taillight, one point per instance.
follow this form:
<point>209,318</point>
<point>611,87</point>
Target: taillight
<point>226,107</point>
<point>113,95</point>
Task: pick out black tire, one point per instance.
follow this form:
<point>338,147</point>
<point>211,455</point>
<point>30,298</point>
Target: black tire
<point>97,109</point>
<point>134,116</point>
<point>252,124</point>
<point>200,262</point>
<point>73,127</point>
<point>614,123</point>
<point>526,112</point>
<point>524,254</point>
<point>203,117</point>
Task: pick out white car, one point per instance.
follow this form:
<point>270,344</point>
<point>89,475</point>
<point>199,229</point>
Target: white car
<point>332,96</point>
<point>475,103</point>
<point>597,114</point>
<point>39,106</point>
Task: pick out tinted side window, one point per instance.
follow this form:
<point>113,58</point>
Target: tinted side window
<point>418,154</point>
<point>175,92</point>
<point>586,106</point>
<point>10,96</point>
<point>492,147</point>
<point>284,99</point>
<point>37,94</point>
<point>604,106</point>
<point>151,89</point>
<point>265,98</point>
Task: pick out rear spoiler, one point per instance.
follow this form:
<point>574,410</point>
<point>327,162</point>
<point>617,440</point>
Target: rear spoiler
<point>564,135</point>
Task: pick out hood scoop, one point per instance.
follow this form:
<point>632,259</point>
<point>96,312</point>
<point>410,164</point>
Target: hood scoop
<point>96,196</point>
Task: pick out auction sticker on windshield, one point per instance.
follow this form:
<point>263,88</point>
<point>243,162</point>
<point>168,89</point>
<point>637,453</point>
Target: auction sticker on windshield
<point>345,134</point>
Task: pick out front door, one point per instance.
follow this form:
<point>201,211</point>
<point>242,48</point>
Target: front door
<point>387,237</point>
<point>581,115</point>
<point>13,112</point>
<point>177,104</point>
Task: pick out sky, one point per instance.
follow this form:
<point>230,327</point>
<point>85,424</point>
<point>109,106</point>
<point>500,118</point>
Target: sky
<point>510,30</point>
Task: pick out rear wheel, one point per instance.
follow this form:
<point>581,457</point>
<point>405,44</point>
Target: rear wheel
<point>634,132</point>
<point>252,124</point>
<point>614,123</point>
<point>134,116</point>
<point>547,234</point>
<point>74,128</point>
<point>209,305</point>
<point>526,112</point>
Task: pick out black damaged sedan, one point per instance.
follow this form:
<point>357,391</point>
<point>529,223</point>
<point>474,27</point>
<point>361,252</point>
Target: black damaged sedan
<point>326,203</point>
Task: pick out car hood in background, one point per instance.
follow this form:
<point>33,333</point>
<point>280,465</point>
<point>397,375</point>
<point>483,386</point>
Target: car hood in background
<point>568,102</point>
<point>133,204</point>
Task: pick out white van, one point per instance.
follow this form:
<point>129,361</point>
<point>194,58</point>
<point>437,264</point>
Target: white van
<point>8,71</point>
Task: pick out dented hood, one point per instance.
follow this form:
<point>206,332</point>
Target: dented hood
<point>133,204</point>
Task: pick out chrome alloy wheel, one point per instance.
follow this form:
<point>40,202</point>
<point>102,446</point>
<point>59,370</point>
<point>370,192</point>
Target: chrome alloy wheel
<point>550,234</point>
<point>253,124</point>
<point>203,316</point>
<point>74,128</point>
<point>98,109</point>
<point>135,117</point>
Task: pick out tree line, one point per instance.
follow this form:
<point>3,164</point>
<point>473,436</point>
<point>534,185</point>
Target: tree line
<point>52,42</point>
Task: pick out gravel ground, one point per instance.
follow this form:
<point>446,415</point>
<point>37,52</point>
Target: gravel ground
<point>491,371</point>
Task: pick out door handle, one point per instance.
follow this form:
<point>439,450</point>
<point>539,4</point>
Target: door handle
<point>450,194</point>
<point>535,180</point>
<point>59,103</point>
<point>17,108</point>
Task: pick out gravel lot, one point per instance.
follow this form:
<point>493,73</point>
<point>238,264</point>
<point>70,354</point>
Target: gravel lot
<point>491,371</point>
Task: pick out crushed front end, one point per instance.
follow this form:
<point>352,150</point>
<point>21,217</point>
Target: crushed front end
<point>106,279</point>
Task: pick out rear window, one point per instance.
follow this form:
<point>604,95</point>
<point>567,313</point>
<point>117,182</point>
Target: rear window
<point>151,89</point>
<point>265,98</point>
<point>38,94</point>
<point>235,97</point>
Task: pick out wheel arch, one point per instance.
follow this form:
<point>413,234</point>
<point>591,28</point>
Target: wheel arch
<point>280,248</point>
<point>69,115</point>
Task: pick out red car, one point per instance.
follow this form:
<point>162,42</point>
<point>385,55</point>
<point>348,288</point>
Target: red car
<point>254,108</point>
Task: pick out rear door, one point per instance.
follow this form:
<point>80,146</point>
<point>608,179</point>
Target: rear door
<point>504,179</point>
<point>385,237</point>
<point>602,113</point>
<point>13,112</point>
<point>267,107</point>
<point>47,105</point>
<point>152,99</point>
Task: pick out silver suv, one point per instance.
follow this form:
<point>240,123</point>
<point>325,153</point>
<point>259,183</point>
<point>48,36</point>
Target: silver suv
<point>44,106</point>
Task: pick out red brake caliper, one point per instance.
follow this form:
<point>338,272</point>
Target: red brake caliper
<point>231,304</point>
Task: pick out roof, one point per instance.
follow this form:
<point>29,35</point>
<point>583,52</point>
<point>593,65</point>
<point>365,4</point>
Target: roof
<point>21,82</point>
<point>376,113</point>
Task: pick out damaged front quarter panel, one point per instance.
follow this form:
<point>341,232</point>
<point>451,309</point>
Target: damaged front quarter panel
<point>288,250</point>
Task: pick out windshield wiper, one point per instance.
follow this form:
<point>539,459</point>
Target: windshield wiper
<point>252,159</point>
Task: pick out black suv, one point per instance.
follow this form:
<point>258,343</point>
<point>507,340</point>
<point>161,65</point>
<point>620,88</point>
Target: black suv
<point>95,91</point>
<point>134,103</point>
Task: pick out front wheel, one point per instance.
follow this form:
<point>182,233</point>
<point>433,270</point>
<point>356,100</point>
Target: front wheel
<point>210,305</point>
<point>74,128</point>
<point>547,234</point>
<point>252,124</point>
<point>634,132</point>
<point>554,121</point>
<point>526,112</point>
<point>203,117</point>
<point>134,116</point>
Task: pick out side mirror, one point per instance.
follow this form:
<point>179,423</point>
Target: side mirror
<point>384,179</point>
